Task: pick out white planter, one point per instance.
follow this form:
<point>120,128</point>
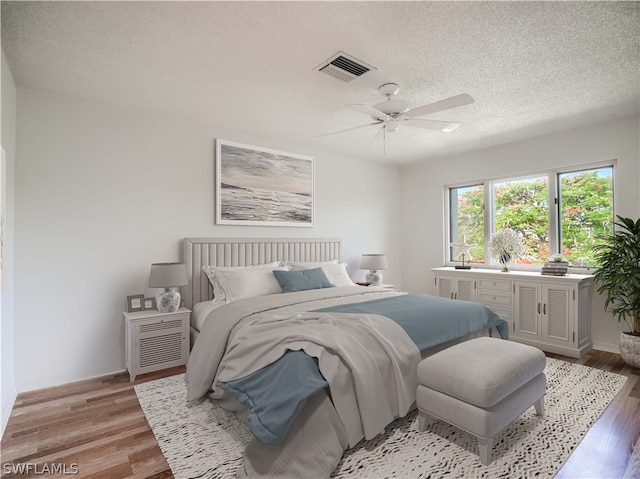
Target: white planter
<point>630,349</point>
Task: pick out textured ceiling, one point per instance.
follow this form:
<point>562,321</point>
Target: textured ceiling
<point>532,67</point>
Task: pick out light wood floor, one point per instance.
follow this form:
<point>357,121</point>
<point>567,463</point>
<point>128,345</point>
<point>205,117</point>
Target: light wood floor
<point>97,426</point>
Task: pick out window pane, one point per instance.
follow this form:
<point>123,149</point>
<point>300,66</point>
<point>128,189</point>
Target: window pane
<point>523,205</point>
<point>467,221</point>
<point>586,212</point>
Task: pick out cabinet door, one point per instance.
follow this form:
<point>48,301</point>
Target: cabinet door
<point>528,310</point>
<point>444,286</point>
<point>557,311</point>
<point>453,287</point>
<point>465,289</point>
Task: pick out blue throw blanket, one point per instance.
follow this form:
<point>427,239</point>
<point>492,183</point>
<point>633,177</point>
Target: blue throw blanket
<point>274,398</point>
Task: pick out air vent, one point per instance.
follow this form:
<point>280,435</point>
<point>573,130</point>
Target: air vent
<point>344,67</point>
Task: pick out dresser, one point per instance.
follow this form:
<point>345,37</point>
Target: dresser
<point>549,312</point>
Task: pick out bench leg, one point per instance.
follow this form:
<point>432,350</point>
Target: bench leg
<point>485,446</point>
<point>422,420</point>
<point>539,405</point>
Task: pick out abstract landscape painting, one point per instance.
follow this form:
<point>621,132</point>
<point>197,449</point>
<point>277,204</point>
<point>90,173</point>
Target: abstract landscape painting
<point>258,186</point>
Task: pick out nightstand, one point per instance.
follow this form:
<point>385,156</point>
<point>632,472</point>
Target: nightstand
<point>155,340</point>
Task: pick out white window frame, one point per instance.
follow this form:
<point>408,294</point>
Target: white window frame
<point>554,200</point>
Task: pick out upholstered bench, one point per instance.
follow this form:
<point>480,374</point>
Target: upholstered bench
<point>481,386</point>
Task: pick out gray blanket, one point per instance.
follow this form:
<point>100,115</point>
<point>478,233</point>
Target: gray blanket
<point>361,403</point>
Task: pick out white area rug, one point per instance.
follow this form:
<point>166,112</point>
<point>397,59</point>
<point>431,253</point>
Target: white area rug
<point>205,441</point>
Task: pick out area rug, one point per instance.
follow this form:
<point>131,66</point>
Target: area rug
<point>205,441</point>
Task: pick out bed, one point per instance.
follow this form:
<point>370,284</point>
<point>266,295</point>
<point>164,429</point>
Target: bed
<point>310,362</point>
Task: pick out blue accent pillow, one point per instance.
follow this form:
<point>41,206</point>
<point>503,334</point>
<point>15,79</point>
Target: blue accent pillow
<point>291,281</point>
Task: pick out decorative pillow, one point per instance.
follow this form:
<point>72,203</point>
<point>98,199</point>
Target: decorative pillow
<point>291,281</point>
<point>246,283</point>
<point>218,291</point>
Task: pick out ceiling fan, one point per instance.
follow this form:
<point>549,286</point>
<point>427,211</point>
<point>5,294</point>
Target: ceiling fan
<point>393,112</point>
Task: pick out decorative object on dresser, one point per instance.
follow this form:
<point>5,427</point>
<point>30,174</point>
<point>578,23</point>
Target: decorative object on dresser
<point>168,276</point>
<point>556,266</point>
<point>464,249</point>
<point>549,312</point>
<point>506,247</point>
<point>374,263</point>
<point>618,277</point>
<point>155,341</point>
<point>135,302</point>
<point>263,187</point>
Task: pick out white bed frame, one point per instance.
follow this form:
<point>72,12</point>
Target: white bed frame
<point>199,252</point>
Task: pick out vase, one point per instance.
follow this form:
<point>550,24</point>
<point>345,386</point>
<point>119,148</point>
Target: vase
<point>630,349</point>
<point>505,260</point>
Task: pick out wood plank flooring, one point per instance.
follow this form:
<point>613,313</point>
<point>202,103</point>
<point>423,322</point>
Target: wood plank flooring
<point>96,427</point>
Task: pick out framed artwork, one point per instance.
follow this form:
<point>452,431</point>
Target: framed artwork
<point>149,304</point>
<point>135,302</point>
<point>262,187</point>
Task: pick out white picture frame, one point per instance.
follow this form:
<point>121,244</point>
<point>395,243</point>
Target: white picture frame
<point>263,187</point>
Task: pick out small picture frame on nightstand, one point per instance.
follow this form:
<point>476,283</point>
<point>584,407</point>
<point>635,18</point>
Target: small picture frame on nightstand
<point>135,302</point>
<point>149,304</point>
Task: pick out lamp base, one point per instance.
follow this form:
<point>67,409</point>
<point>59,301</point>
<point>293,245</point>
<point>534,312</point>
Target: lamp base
<point>374,277</point>
<point>168,301</point>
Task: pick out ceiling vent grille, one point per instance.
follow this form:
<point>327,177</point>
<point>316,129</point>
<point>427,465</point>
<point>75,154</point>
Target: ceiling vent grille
<point>344,67</point>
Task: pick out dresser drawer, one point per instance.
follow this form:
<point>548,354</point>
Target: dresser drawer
<point>494,284</point>
<point>494,298</point>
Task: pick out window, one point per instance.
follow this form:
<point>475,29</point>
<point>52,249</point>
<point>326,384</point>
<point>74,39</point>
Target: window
<point>467,221</point>
<point>586,212</point>
<point>555,212</point>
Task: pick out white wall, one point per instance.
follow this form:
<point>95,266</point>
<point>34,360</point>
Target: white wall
<point>103,191</point>
<point>422,190</point>
<point>8,140</point>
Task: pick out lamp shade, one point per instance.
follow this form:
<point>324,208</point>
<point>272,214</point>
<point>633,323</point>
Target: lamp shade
<point>373,262</point>
<point>167,275</point>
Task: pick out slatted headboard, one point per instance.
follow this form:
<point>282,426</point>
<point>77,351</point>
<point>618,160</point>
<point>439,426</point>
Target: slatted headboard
<point>199,252</point>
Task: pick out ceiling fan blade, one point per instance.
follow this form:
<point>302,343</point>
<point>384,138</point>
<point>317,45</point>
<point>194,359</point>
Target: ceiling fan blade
<point>349,129</point>
<point>445,126</point>
<point>377,133</point>
<point>371,111</point>
<point>453,102</point>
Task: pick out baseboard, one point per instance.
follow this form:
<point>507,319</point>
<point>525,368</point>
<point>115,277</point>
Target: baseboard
<point>610,348</point>
<point>7,406</point>
<point>63,381</point>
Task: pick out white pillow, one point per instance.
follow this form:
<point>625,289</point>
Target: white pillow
<point>246,283</point>
<point>218,291</point>
<point>298,266</point>
<point>336,272</point>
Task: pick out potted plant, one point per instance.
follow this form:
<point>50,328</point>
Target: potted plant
<point>618,278</point>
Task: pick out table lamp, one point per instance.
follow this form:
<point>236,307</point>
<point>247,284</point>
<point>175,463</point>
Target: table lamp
<point>374,263</point>
<point>168,276</point>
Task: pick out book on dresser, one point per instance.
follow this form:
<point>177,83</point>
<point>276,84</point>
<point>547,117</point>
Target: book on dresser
<point>555,268</point>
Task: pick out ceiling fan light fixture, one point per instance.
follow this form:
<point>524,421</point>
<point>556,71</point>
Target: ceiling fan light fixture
<point>392,106</point>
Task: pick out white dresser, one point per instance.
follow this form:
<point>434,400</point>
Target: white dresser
<point>549,312</point>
